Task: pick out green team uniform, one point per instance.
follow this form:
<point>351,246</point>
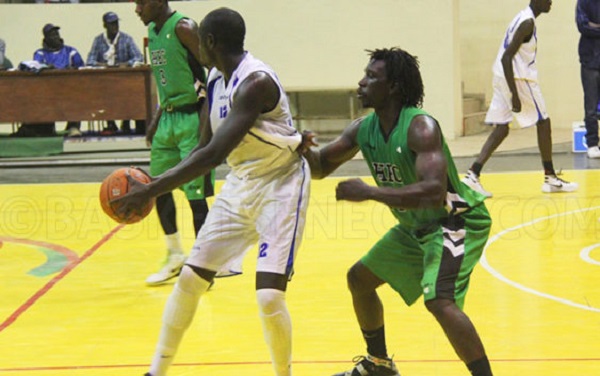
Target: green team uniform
<point>432,251</point>
<point>177,131</point>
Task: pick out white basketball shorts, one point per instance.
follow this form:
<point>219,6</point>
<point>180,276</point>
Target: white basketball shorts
<point>268,211</point>
<point>533,107</point>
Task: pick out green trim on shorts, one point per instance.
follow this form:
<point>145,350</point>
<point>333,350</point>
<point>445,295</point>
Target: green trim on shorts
<point>176,136</point>
<point>429,263</point>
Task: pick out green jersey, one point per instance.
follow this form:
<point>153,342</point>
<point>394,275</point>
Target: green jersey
<point>392,164</point>
<point>170,64</point>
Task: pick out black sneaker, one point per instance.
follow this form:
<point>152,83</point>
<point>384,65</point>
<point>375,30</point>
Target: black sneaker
<point>371,366</point>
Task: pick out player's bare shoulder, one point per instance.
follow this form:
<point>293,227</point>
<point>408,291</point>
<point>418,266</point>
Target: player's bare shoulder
<point>186,29</point>
<point>423,130</point>
<point>351,131</point>
<point>260,87</point>
<point>424,124</point>
<point>187,23</point>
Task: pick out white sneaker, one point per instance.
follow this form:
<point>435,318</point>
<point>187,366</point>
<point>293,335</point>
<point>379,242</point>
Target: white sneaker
<point>553,183</point>
<point>593,152</point>
<point>171,269</point>
<point>472,181</point>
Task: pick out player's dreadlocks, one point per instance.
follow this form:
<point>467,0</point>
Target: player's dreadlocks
<point>402,68</point>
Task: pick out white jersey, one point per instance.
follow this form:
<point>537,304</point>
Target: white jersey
<point>265,196</point>
<point>272,141</point>
<point>524,65</point>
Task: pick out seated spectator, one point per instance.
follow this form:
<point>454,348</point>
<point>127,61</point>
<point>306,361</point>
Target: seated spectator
<point>5,63</point>
<point>115,48</point>
<point>55,54</point>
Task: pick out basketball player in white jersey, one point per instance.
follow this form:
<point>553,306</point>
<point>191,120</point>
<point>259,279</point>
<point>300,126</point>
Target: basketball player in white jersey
<point>263,200</point>
<point>517,94</point>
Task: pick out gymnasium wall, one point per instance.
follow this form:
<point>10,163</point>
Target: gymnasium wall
<point>312,44</point>
<point>319,44</point>
<point>482,27</point>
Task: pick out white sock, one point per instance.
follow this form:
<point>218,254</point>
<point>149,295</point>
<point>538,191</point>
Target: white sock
<point>177,317</point>
<point>277,328</point>
<point>174,243</point>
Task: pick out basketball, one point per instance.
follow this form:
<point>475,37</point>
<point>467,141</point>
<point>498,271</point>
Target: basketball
<point>116,185</point>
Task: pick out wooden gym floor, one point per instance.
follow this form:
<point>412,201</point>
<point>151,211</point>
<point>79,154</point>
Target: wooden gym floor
<point>73,299</point>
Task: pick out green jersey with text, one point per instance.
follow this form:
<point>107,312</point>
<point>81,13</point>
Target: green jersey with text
<point>392,164</point>
<point>170,64</point>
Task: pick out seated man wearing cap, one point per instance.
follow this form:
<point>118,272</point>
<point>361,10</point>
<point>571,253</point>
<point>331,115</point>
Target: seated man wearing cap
<point>55,54</point>
<point>115,48</point>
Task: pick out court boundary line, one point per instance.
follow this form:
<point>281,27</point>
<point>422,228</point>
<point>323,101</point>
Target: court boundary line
<point>585,254</point>
<point>268,362</point>
<point>57,278</point>
<point>486,265</point>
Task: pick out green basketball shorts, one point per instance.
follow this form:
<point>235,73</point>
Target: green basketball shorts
<point>176,136</point>
<point>436,262</point>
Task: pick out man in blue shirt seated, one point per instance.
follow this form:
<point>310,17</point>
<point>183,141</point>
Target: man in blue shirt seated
<point>55,54</point>
<point>115,48</point>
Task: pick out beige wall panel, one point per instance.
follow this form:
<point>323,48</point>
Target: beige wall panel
<point>482,27</point>
<point>313,44</point>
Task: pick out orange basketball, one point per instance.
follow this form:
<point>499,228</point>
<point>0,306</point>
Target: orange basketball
<point>116,185</point>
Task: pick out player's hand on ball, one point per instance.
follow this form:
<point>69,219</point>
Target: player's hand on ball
<point>352,190</point>
<point>136,198</point>
<point>143,172</point>
<point>115,186</point>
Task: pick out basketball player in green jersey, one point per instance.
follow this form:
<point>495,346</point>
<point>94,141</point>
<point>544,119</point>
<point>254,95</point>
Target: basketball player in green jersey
<point>174,130</point>
<point>443,224</point>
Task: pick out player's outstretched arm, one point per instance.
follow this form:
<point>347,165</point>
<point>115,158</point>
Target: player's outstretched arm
<point>257,93</point>
<point>326,160</point>
<point>425,140</point>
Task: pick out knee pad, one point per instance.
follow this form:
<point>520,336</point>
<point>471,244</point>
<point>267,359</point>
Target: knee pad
<point>270,301</point>
<point>182,303</point>
<point>191,282</point>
